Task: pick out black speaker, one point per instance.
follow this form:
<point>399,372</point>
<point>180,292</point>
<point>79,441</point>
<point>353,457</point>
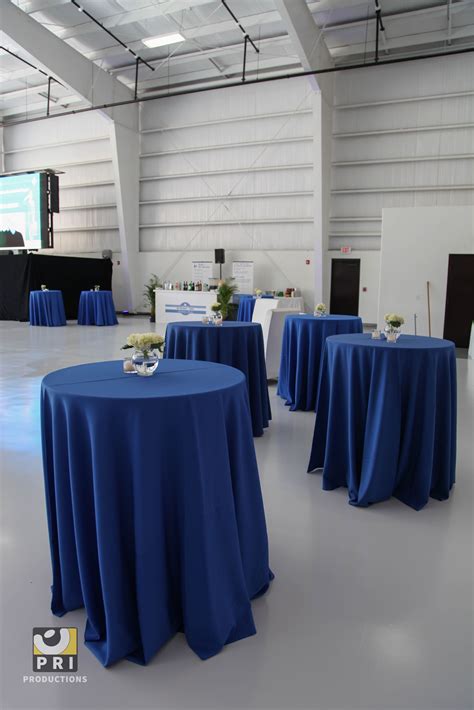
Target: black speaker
<point>54,192</point>
<point>219,256</point>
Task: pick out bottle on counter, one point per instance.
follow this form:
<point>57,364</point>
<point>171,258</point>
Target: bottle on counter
<point>191,286</point>
<point>185,286</point>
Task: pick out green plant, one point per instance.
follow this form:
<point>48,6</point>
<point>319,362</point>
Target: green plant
<point>149,292</point>
<point>224,295</point>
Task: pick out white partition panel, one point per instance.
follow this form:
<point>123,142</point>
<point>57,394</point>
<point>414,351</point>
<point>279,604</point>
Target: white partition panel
<point>416,244</point>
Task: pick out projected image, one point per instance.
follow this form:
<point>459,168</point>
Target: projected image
<point>21,211</point>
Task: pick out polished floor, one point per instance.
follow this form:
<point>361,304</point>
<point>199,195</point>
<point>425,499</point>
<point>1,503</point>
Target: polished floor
<point>370,608</point>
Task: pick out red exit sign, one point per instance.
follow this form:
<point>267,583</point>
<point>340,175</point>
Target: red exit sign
<point>346,250</point>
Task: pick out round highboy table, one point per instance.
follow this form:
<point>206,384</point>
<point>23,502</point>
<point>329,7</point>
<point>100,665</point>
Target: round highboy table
<point>155,513</point>
<point>47,308</point>
<point>236,344</point>
<point>96,308</point>
<point>301,352</point>
<point>386,418</point>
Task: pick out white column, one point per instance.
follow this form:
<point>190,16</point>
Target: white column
<point>125,148</point>
<point>322,146</point>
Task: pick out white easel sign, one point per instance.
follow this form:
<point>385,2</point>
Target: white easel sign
<point>242,273</point>
<point>202,271</point>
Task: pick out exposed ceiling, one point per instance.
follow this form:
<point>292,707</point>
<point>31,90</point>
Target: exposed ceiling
<point>213,48</point>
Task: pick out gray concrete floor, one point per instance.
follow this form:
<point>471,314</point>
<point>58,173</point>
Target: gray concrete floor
<point>370,608</point>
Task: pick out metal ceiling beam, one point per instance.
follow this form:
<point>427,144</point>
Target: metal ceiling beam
<point>260,80</point>
<point>273,16</point>
<point>65,64</point>
<point>450,19</point>
<point>402,42</point>
<point>306,36</point>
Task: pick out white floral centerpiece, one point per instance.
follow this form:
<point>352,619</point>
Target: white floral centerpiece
<point>258,292</point>
<point>216,309</point>
<point>394,322</point>
<point>320,309</point>
<point>148,350</point>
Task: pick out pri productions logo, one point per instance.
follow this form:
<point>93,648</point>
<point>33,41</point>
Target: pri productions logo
<point>55,649</point>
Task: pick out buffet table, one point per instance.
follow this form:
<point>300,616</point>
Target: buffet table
<point>155,513</point>
<point>386,418</point>
<point>182,305</point>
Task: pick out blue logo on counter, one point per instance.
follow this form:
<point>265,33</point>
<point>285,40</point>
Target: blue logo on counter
<point>185,309</point>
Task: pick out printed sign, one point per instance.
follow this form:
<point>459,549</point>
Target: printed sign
<point>242,273</point>
<point>186,309</point>
<point>202,271</point>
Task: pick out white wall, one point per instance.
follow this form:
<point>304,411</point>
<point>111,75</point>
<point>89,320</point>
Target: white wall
<point>237,169</point>
<point>231,169</point>
<point>416,244</point>
<point>274,269</point>
<point>79,146</point>
<point>403,136</point>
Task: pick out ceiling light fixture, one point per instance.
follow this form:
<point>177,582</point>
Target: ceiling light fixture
<point>163,40</point>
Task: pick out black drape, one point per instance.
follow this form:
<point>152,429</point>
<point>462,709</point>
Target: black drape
<point>21,274</point>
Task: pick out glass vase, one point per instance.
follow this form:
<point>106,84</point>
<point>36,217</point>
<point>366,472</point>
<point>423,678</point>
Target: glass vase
<point>392,334</point>
<point>145,363</point>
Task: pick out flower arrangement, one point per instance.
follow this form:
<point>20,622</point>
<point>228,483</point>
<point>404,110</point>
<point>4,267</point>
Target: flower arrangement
<point>216,307</point>
<point>392,330</point>
<point>320,309</point>
<point>225,291</point>
<point>145,342</point>
<point>43,287</point>
<point>97,287</point>
<point>258,292</point>
<point>394,320</point>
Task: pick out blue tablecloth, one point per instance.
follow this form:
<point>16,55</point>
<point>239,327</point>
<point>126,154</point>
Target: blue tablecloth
<point>96,308</point>
<point>245,310</point>
<point>47,308</point>
<point>155,513</point>
<point>301,352</point>
<point>236,344</point>
<point>386,418</point>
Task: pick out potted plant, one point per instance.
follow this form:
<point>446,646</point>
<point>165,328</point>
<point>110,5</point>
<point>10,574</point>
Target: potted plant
<point>225,291</point>
<point>149,294</point>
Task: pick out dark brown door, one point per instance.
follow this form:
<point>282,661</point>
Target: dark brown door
<point>459,311</point>
<point>345,277</point>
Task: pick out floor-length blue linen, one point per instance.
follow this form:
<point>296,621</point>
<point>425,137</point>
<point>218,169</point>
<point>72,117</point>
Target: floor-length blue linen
<point>96,308</point>
<point>155,513</point>
<point>386,419</point>
<point>47,308</point>
<point>301,353</point>
<point>236,344</point>
<point>246,307</point>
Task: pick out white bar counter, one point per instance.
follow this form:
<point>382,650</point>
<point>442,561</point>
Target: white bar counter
<point>182,305</point>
